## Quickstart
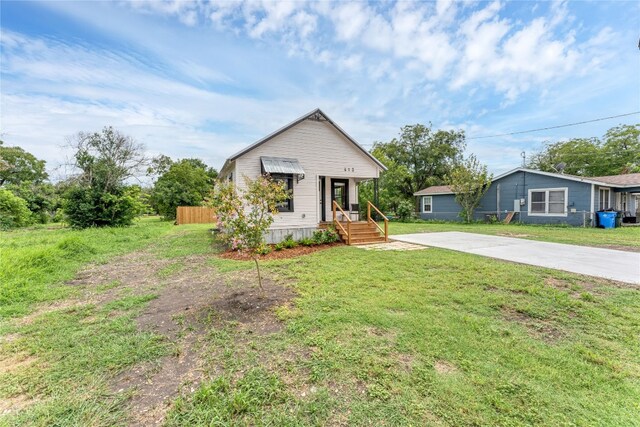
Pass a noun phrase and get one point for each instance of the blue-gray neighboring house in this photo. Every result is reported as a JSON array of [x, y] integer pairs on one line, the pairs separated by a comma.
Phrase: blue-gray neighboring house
[[539, 197]]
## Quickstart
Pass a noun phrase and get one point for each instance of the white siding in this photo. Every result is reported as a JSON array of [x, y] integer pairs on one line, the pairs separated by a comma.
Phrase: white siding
[[229, 172], [322, 151]]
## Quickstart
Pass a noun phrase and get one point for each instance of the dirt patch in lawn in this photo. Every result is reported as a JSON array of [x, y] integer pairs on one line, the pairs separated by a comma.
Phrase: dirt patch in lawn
[[406, 361], [15, 362], [8, 338], [542, 329], [139, 268], [443, 367], [46, 308], [193, 298], [593, 285], [15, 404], [253, 308], [283, 254], [190, 303]]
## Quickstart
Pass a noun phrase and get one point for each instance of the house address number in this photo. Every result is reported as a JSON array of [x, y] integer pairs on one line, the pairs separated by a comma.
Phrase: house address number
[[349, 169]]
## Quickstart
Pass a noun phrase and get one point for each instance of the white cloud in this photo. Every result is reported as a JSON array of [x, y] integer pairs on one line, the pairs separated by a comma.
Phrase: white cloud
[[351, 62], [514, 58], [466, 43], [276, 15], [350, 20], [249, 67]]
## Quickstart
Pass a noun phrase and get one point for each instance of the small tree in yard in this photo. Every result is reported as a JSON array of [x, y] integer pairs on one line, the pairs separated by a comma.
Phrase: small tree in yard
[[469, 181], [245, 215]]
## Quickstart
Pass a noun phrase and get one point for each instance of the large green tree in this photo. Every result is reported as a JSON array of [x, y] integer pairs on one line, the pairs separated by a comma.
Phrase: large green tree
[[417, 158], [24, 175], [621, 145], [618, 152], [18, 165], [99, 197], [186, 182], [390, 193]]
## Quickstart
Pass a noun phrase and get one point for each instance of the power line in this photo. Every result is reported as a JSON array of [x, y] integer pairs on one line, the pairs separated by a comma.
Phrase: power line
[[554, 127], [540, 129]]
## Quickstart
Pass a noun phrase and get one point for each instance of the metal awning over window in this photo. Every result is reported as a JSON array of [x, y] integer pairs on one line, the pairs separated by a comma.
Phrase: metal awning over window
[[279, 165]]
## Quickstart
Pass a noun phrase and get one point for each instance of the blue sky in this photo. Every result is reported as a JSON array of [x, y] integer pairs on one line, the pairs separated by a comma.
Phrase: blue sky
[[199, 79]]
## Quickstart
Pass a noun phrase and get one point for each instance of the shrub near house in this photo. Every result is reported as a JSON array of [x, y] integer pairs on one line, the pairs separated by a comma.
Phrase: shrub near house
[[13, 211]]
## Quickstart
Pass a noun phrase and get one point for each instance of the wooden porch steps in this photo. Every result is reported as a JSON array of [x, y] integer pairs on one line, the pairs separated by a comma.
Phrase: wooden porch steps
[[359, 232], [362, 232]]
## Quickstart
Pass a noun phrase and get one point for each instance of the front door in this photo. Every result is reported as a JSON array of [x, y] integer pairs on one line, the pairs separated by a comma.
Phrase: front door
[[323, 205], [340, 193]]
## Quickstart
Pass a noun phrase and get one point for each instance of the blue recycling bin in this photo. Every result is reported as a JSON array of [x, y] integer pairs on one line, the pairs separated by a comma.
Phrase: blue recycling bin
[[607, 219]]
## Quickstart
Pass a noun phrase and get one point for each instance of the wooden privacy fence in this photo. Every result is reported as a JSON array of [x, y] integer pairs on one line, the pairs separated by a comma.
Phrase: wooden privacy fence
[[194, 215]]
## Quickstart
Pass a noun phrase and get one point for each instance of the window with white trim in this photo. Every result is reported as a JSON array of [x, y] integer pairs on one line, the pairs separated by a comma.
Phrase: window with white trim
[[605, 198], [548, 201], [427, 204]]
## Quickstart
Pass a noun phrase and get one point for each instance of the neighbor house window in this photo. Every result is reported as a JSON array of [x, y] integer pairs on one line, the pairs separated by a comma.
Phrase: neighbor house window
[[427, 204], [605, 195], [623, 202], [548, 201], [287, 205]]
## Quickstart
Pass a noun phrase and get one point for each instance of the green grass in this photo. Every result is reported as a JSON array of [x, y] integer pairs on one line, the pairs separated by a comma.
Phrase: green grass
[[432, 337], [429, 337], [36, 262], [73, 350], [628, 237]]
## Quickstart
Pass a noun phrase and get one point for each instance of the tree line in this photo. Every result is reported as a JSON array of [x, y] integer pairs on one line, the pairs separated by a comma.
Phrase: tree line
[[616, 153], [100, 192], [420, 157]]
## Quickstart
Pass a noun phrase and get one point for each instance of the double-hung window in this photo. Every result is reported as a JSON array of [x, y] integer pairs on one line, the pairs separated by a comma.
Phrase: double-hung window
[[287, 180], [427, 204], [548, 201]]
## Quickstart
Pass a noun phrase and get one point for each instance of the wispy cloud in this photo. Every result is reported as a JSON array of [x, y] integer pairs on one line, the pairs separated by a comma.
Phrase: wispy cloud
[[200, 78]]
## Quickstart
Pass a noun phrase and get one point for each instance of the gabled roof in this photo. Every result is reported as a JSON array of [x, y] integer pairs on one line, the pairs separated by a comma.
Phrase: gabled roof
[[628, 179], [576, 178], [434, 189], [316, 114], [621, 181]]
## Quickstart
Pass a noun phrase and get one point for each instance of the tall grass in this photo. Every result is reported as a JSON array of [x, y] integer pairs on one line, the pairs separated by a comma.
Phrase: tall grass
[[34, 263]]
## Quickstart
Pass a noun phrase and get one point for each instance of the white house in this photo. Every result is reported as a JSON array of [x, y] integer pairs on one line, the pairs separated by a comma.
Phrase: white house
[[319, 162]]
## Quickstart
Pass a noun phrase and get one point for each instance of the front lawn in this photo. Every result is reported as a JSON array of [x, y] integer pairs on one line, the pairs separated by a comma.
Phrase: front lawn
[[617, 238], [344, 336], [432, 337]]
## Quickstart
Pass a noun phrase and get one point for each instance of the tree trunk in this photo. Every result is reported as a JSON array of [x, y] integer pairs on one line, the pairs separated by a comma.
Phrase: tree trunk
[[255, 259]]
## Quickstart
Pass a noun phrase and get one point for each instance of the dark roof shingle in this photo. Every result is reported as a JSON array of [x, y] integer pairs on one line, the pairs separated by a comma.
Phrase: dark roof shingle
[[626, 179]]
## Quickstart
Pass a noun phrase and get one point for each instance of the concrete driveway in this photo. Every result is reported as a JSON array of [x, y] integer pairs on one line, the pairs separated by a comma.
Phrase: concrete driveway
[[606, 263]]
